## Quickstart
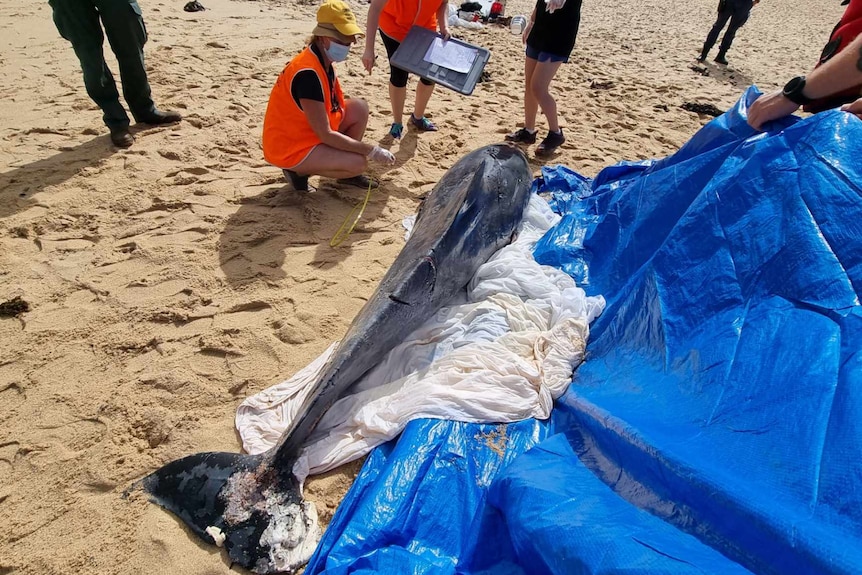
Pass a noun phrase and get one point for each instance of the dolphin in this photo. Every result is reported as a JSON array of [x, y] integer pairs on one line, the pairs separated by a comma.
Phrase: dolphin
[[252, 504]]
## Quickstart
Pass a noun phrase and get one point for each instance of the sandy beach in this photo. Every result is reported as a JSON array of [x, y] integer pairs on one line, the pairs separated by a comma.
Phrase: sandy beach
[[169, 281]]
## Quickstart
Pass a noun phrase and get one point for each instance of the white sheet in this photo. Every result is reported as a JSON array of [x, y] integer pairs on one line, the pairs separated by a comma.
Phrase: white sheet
[[502, 352]]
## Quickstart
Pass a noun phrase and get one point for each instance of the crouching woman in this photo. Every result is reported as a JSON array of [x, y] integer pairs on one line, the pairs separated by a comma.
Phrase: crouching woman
[[309, 127]]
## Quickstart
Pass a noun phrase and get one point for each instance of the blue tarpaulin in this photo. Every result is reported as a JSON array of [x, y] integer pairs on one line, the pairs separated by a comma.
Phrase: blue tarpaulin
[[716, 425]]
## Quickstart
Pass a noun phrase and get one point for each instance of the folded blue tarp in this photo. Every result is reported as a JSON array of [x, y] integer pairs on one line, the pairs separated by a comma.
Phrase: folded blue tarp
[[716, 426]]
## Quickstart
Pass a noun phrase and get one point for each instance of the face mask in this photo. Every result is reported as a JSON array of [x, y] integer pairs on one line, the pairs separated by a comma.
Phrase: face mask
[[337, 52]]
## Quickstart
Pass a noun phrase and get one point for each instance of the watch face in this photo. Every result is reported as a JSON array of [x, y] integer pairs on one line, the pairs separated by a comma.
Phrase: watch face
[[793, 91], [793, 85]]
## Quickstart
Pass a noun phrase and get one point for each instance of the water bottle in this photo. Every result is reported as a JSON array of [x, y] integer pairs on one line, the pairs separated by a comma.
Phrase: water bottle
[[517, 25]]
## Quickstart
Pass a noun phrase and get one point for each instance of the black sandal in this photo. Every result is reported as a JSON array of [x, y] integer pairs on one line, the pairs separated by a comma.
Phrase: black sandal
[[361, 181], [299, 183]]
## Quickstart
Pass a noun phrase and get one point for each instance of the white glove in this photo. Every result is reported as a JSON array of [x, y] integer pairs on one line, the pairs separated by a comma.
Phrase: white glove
[[381, 156]]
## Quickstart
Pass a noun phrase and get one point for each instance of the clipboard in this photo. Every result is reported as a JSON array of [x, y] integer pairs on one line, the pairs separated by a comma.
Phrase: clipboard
[[453, 64]]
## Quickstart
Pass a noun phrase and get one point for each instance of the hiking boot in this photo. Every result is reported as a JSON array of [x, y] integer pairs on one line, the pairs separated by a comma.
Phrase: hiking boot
[[522, 136], [299, 183], [396, 130], [720, 59], [158, 118], [551, 142], [423, 124], [361, 181], [122, 137]]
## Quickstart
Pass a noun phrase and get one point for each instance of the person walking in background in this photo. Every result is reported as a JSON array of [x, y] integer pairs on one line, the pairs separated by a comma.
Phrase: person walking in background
[[81, 22], [309, 128], [550, 38], [394, 18], [737, 12]]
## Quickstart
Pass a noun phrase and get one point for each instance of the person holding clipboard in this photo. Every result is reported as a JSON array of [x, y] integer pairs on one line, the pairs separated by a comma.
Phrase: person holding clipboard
[[394, 18]]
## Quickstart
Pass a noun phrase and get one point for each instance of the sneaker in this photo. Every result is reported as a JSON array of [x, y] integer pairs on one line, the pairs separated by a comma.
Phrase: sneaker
[[522, 136], [361, 181], [423, 124], [396, 130], [551, 142], [299, 183]]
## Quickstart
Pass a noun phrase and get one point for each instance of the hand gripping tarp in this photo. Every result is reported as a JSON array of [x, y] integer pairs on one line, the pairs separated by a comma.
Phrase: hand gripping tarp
[[716, 425]]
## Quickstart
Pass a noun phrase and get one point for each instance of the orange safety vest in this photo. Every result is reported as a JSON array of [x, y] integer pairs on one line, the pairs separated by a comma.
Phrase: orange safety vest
[[845, 32], [398, 16], [287, 136]]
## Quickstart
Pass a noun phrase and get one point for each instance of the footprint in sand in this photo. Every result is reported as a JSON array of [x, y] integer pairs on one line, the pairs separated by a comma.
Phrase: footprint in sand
[[293, 331], [76, 435], [8, 451], [11, 397], [147, 290], [169, 155], [60, 431], [154, 425]]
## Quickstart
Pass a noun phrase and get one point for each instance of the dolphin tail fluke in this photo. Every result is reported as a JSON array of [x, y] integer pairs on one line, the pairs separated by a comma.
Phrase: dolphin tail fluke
[[234, 501]]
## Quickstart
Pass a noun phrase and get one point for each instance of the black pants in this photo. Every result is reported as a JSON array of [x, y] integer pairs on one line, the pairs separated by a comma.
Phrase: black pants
[[78, 21], [737, 11]]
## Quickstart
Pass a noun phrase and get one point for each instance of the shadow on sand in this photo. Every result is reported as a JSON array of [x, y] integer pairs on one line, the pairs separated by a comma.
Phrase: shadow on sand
[[21, 183], [255, 238]]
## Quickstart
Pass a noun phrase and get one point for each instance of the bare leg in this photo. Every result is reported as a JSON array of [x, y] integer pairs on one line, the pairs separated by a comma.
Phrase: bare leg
[[423, 95], [531, 105], [333, 163], [539, 83], [355, 118]]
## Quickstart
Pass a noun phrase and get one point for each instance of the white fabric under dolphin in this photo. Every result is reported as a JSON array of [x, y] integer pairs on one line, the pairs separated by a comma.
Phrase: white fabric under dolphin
[[502, 352]]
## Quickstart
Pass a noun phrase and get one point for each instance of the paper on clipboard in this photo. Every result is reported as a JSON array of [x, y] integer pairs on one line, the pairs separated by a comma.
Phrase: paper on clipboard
[[451, 55]]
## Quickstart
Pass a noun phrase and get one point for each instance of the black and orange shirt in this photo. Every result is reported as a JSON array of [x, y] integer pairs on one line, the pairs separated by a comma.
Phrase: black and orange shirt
[[288, 138]]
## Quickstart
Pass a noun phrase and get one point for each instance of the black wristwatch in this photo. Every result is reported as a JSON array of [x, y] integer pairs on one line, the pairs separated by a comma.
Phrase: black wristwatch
[[793, 91]]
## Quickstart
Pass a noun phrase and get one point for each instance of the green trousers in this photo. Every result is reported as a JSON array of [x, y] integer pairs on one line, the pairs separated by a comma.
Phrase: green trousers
[[80, 22]]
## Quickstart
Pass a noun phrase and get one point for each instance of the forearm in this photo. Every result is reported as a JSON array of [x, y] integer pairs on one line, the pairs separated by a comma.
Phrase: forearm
[[318, 119], [340, 141], [373, 22], [842, 71], [443, 16]]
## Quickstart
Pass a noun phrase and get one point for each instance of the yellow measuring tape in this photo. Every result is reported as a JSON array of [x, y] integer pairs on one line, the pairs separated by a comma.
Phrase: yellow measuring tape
[[358, 209]]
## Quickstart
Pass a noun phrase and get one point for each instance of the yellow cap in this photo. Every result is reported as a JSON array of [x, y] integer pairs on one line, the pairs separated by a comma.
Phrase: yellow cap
[[334, 19]]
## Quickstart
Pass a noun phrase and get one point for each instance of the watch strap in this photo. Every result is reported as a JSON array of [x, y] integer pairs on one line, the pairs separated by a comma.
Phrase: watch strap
[[793, 91]]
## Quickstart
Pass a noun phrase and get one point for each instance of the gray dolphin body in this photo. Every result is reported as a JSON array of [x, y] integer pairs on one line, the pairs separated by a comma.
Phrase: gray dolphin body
[[252, 503]]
